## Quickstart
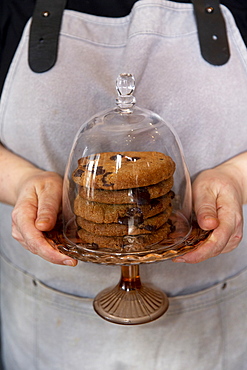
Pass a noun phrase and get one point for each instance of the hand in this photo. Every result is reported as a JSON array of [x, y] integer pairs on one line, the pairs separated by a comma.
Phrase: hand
[[218, 199], [38, 203]]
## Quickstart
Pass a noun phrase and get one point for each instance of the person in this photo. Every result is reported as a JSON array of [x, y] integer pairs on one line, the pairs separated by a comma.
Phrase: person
[[46, 308]]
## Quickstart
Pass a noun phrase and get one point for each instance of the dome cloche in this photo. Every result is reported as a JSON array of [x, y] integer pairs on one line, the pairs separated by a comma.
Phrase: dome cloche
[[127, 189]]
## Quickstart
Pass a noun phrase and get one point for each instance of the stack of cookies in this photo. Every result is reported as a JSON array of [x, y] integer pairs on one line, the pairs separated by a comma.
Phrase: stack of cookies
[[124, 199]]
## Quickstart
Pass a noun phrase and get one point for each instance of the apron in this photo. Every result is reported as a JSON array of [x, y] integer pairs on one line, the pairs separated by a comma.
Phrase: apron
[[48, 320]]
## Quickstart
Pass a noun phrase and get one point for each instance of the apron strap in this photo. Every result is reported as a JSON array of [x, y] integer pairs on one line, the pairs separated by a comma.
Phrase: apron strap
[[44, 34], [211, 31], [47, 17]]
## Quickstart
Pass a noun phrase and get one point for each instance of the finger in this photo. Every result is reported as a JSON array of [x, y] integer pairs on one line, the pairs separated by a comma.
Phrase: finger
[[25, 232], [205, 206], [230, 214], [38, 245], [206, 217], [212, 247], [49, 200], [223, 239], [42, 248]]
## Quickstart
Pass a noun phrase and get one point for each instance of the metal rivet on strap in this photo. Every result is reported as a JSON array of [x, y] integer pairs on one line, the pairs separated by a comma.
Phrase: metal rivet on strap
[[46, 14], [224, 286], [209, 9]]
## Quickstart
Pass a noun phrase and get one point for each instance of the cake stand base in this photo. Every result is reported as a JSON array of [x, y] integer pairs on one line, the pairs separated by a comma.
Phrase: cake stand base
[[130, 302]]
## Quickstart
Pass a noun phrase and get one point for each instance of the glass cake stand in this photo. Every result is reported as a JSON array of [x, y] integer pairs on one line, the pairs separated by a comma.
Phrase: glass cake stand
[[127, 201], [129, 302]]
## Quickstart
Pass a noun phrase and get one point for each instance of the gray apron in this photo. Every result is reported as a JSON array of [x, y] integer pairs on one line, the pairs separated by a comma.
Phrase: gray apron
[[47, 317]]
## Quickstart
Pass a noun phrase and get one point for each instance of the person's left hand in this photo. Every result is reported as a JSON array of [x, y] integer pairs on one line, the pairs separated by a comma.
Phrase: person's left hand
[[218, 200]]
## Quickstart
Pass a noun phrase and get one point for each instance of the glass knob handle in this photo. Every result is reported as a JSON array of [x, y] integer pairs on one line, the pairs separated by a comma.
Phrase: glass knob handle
[[125, 86]]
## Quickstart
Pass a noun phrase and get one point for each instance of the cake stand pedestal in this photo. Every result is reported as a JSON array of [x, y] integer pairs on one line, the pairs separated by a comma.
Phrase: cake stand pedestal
[[130, 302]]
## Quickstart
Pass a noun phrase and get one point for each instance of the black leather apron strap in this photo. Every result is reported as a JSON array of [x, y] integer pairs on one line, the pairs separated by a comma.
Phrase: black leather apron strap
[[211, 31], [47, 17], [44, 34]]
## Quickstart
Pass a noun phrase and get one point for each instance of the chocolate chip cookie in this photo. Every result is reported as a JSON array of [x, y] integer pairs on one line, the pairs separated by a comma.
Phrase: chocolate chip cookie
[[140, 195], [131, 226], [123, 170], [119, 213], [124, 244]]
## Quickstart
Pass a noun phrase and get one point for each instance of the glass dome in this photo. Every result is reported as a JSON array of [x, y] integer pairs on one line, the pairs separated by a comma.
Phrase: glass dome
[[127, 189]]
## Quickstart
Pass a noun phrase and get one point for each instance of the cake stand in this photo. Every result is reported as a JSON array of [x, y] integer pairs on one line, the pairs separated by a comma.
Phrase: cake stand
[[129, 302]]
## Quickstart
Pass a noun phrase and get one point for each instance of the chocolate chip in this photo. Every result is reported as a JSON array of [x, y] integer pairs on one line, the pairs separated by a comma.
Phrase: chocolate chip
[[94, 246], [141, 195], [123, 220], [134, 215], [150, 227], [172, 194], [134, 211], [78, 172], [138, 220], [172, 227], [114, 157], [131, 159], [104, 179], [100, 170], [154, 203]]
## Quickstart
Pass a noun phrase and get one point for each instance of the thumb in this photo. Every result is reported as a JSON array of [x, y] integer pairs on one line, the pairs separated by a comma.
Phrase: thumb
[[205, 206], [48, 208]]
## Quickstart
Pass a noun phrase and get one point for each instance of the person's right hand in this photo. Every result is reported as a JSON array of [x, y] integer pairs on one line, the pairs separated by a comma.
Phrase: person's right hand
[[38, 203]]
